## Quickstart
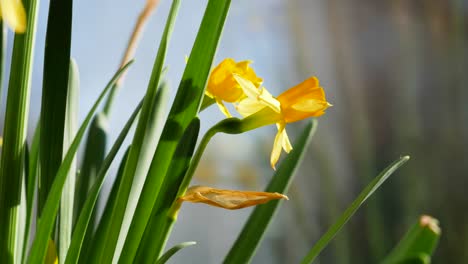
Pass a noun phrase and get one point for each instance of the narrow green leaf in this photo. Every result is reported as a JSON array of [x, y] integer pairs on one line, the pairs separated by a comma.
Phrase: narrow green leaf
[[151, 137], [85, 214], [94, 153], [14, 136], [54, 93], [22, 215], [113, 230], [184, 109], [420, 240], [349, 212], [71, 125], [164, 258], [3, 49], [31, 186], [46, 222], [161, 221], [96, 241], [251, 235]]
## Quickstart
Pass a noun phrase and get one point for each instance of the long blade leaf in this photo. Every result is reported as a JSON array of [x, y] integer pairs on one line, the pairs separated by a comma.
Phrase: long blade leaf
[[251, 235], [94, 154], [113, 230], [31, 187], [14, 136], [95, 241], [87, 211], [46, 222], [349, 212], [166, 256], [54, 93], [156, 234], [184, 109], [71, 125]]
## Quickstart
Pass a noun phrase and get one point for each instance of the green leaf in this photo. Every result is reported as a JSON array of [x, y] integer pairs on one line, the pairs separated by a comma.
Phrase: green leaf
[[46, 222], [94, 154], [3, 49], [31, 186], [161, 221], [54, 93], [151, 137], [96, 241], [85, 214], [349, 212], [420, 240], [184, 109], [113, 230], [71, 125], [164, 258], [251, 235], [14, 137]]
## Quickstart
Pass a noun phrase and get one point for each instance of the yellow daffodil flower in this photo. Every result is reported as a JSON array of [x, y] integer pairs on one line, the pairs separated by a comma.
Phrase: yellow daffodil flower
[[222, 86], [13, 13], [304, 100], [228, 199]]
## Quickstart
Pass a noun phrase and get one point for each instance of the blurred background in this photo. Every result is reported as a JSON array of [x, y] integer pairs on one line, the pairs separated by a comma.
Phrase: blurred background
[[396, 73]]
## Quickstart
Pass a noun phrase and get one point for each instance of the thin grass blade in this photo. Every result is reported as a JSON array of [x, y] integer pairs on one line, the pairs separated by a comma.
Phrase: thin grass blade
[[46, 222], [113, 230], [94, 153], [31, 187], [14, 137], [151, 138], [157, 233], [184, 109], [85, 214], [349, 212], [99, 236], [251, 235], [166, 256], [54, 93], [71, 125], [3, 48]]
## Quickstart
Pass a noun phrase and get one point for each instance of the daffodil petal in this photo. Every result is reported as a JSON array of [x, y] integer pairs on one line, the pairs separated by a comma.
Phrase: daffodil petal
[[244, 64], [228, 199], [14, 14], [247, 86], [310, 105], [269, 100], [223, 108], [249, 106], [286, 144], [261, 95], [277, 146]]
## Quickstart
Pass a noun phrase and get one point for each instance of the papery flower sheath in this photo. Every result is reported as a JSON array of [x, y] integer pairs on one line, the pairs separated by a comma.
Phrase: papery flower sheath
[[222, 86], [13, 14], [228, 199], [304, 100]]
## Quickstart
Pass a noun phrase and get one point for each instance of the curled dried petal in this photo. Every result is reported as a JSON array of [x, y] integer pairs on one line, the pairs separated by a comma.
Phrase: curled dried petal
[[228, 199]]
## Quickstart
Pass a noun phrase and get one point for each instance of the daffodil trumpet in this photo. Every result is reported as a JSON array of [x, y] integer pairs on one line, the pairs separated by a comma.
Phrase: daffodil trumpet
[[304, 100]]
